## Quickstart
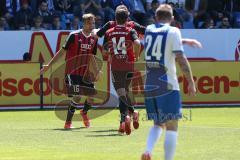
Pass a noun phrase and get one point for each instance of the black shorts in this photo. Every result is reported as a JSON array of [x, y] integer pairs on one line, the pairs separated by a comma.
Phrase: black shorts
[[77, 86], [121, 79]]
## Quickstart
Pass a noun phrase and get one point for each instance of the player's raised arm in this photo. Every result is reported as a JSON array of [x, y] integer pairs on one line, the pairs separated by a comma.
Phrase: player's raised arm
[[104, 29], [59, 54], [139, 28], [192, 42], [186, 70], [106, 47]]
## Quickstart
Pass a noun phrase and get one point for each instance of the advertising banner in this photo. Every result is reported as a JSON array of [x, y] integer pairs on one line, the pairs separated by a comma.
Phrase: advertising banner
[[217, 81]]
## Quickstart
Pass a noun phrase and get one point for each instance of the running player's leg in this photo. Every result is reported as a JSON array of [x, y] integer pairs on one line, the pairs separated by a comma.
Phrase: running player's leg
[[71, 82], [119, 85], [70, 113], [131, 101], [87, 104], [83, 112], [86, 89], [129, 96], [170, 139], [157, 128], [172, 113]]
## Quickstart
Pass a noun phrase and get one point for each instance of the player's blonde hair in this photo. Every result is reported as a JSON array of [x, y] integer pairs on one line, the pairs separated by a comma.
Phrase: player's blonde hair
[[164, 12], [87, 17], [122, 7]]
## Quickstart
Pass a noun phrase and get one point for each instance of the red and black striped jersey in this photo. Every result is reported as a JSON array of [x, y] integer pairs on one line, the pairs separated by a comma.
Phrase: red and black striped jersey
[[79, 48], [131, 24], [119, 42]]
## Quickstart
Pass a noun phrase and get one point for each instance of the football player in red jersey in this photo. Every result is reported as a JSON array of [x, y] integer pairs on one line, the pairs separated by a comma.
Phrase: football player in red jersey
[[119, 42], [140, 30], [132, 57], [78, 50]]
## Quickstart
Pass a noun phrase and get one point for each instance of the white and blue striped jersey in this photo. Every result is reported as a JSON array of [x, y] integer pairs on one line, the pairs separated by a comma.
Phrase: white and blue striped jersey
[[161, 42]]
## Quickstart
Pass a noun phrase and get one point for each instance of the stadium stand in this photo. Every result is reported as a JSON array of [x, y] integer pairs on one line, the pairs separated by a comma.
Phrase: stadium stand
[[64, 14]]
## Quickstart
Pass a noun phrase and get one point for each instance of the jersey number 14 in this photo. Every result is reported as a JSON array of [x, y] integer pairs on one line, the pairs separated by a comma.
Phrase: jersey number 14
[[120, 46]]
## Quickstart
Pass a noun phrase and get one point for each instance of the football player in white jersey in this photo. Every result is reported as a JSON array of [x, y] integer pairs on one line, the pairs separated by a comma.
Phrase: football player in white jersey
[[163, 45]]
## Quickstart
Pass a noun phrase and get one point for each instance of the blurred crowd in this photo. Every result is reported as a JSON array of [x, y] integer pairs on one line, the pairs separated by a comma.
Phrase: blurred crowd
[[67, 14]]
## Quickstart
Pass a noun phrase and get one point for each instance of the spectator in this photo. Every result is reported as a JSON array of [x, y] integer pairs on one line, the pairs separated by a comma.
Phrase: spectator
[[50, 5], [36, 3], [68, 24], [208, 24], [8, 10], [127, 3], [12, 6], [231, 6], [64, 6], [45, 13], [109, 14], [107, 3], [78, 8], [214, 8], [75, 23], [138, 11], [153, 8], [56, 25], [37, 23], [3, 24], [225, 23], [24, 16], [197, 10], [26, 56], [178, 20], [99, 21], [135, 7], [94, 7], [149, 3], [236, 19], [178, 3]]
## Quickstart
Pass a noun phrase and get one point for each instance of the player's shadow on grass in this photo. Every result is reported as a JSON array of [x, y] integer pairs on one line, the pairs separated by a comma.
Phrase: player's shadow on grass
[[62, 129], [112, 132], [109, 130], [105, 135]]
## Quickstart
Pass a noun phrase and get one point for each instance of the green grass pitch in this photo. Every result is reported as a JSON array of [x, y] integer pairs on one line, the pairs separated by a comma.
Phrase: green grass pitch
[[204, 134]]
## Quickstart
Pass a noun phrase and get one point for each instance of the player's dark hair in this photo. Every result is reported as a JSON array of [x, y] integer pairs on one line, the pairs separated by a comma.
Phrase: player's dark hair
[[164, 12], [121, 16]]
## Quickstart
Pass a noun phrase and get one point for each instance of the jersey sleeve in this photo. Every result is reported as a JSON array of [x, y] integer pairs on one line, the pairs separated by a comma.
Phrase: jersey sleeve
[[133, 34], [95, 48], [176, 38], [104, 29], [105, 42], [139, 28], [68, 41]]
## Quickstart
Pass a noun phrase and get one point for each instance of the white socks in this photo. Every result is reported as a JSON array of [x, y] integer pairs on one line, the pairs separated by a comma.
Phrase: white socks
[[170, 144], [153, 136]]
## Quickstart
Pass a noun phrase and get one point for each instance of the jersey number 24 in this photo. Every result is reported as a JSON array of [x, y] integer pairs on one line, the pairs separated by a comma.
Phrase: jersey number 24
[[153, 47]]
